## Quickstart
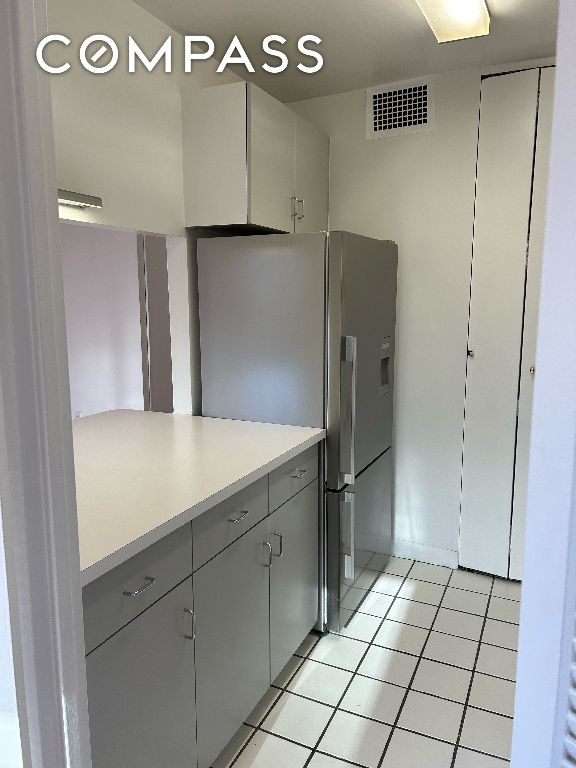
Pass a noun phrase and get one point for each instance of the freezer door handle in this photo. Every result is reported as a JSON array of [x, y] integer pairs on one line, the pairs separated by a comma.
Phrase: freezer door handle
[[347, 534], [348, 373]]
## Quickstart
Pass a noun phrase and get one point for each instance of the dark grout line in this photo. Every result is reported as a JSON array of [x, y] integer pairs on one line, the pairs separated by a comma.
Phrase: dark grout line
[[355, 672], [342, 759], [467, 702], [323, 733], [414, 673], [417, 655]]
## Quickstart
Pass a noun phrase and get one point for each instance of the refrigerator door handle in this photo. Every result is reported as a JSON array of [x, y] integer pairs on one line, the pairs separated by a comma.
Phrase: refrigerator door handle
[[347, 534], [348, 374]]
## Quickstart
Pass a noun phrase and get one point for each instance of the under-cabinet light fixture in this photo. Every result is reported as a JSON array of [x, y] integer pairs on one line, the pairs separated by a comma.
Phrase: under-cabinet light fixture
[[456, 19], [78, 200]]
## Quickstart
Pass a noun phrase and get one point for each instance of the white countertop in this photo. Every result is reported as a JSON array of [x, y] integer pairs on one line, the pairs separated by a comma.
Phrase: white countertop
[[140, 476]]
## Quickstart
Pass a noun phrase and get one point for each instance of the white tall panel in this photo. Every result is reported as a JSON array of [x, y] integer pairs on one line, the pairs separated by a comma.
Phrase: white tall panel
[[100, 272], [527, 371], [504, 176]]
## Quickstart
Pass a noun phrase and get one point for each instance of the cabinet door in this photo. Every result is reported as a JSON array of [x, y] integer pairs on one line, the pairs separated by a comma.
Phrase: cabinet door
[[141, 689], [311, 160], [504, 180], [214, 125], [294, 575], [271, 161], [232, 646], [527, 371]]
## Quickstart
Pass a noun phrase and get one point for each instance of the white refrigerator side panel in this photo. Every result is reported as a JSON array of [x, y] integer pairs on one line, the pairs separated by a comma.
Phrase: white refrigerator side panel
[[262, 320]]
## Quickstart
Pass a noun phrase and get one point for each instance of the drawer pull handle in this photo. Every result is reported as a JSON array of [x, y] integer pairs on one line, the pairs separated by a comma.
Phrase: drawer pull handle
[[193, 635], [281, 545], [240, 517], [270, 554], [149, 582], [299, 473]]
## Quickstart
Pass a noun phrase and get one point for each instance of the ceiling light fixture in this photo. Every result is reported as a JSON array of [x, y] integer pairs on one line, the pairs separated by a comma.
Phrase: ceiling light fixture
[[78, 200], [456, 19]]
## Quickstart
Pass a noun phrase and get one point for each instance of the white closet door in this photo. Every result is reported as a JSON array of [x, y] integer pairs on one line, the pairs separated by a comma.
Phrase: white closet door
[[504, 176], [531, 320]]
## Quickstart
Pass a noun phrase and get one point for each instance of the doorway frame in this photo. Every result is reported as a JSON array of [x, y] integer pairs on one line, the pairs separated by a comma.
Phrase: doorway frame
[[44, 660], [42, 650]]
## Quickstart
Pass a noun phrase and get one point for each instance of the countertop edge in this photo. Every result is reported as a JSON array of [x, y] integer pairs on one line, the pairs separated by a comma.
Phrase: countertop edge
[[94, 571]]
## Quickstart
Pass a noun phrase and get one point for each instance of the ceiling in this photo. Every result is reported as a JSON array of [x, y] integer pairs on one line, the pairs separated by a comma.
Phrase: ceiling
[[365, 42]]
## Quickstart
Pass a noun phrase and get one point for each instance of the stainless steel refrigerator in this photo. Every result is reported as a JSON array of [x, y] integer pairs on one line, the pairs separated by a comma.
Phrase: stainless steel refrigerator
[[299, 329]]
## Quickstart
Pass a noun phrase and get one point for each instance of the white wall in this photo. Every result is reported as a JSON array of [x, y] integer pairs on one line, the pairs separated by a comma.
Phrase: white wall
[[419, 191], [100, 270]]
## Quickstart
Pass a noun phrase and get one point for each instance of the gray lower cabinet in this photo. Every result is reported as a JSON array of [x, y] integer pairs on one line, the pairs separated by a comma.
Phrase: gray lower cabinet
[[158, 696], [293, 531], [141, 689], [231, 602]]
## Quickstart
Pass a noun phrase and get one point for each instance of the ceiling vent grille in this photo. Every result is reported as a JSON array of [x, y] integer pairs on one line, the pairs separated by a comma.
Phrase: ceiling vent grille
[[398, 108]]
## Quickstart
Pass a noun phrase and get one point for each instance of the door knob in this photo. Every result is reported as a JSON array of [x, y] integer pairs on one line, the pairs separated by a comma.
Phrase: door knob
[[532, 370]]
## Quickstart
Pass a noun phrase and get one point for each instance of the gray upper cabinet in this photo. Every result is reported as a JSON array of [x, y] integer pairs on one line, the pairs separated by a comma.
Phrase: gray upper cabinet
[[293, 531], [249, 159], [141, 689], [232, 645]]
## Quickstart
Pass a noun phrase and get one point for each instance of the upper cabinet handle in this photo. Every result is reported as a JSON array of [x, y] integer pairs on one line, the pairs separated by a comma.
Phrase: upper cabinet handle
[[294, 202], [299, 473], [270, 554], [149, 582], [281, 545], [193, 635], [240, 517], [300, 202]]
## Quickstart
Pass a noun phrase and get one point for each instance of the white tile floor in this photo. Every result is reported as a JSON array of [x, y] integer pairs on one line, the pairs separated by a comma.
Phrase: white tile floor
[[423, 675]]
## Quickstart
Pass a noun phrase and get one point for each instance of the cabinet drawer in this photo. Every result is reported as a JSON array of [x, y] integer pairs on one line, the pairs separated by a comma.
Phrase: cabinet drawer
[[290, 478], [216, 529], [150, 574]]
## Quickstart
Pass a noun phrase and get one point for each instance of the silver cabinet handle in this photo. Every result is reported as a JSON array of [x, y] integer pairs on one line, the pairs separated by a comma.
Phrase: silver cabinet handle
[[281, 545], [299, 473], [348, 375], [193, 635], [347, 534], [300, 202], [240, 517], [270, 554], [532, 370], [149, 582], [294, 202]]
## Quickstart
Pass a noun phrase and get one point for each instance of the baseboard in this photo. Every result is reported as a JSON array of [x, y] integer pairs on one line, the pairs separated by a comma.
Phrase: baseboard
[[426, 554]]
